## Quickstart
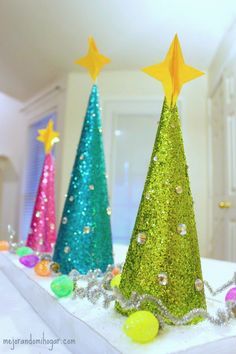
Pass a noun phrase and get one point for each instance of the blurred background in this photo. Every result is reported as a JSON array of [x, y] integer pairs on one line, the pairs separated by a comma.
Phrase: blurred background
[[39, 41]]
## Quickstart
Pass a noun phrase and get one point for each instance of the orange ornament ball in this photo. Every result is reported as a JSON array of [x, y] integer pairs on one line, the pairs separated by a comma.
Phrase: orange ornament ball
[[4, 246], [43, 268], [115, 271]]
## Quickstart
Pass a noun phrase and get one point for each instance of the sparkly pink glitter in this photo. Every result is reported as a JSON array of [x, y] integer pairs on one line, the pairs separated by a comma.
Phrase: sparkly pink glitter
[[42, 235]]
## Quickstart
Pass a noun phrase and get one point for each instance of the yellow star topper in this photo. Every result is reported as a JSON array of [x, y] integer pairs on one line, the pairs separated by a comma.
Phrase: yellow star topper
[[173, 72], [93, 61], [48, 137]]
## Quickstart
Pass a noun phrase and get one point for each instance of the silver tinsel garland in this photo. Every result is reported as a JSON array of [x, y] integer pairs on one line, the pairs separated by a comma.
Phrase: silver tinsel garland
[[14, 245]]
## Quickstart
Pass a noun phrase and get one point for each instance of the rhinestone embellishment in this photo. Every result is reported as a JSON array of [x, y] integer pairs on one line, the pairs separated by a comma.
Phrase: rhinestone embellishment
[[109, 211], [64, 220], [199, 285], [55, 267], [141, 238], [182, 229], [162, 279], [86, 230], [67, 249], [179, 190]]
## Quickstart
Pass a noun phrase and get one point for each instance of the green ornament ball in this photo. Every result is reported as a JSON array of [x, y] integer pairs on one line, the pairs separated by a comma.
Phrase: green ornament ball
[[62, 286], [141, 326], [116, 281], [24, 251]]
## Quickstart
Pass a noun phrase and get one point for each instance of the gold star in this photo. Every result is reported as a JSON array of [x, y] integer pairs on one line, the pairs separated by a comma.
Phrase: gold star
[[173, 72], [48, 136], [93, 61]]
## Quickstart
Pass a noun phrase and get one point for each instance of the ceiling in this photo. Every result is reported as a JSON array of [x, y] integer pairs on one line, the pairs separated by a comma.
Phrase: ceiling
[[39, 40]]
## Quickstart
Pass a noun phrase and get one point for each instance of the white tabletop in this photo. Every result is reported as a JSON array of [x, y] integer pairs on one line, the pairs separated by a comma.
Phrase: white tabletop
[[19, 320], [95, 327]]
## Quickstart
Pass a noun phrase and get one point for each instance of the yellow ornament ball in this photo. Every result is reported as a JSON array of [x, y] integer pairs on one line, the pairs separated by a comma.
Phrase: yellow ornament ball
[[43, 268], [116, 281], [141, 326]]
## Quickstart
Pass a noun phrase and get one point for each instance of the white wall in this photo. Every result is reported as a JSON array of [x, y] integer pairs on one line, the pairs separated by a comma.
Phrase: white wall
[[12, 147], [120, 84], [225, 52]]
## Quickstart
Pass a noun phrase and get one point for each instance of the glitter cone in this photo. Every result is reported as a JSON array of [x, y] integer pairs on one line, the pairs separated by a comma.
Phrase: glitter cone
[[42, 234], [84, 238], [163, 257]]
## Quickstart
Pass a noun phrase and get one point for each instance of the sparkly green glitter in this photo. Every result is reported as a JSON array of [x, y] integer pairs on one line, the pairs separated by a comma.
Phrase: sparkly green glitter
[[163, 257]]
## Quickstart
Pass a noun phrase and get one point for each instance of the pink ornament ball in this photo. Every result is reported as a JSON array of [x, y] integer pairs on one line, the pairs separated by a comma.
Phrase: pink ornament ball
[[231, 295], [29, 261]]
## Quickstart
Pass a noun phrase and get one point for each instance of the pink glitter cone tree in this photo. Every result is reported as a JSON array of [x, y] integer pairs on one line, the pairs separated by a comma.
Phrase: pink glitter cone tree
[[42, 234]]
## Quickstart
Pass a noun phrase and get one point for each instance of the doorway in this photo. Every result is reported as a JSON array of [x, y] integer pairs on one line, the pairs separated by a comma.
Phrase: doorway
[[129, 127]]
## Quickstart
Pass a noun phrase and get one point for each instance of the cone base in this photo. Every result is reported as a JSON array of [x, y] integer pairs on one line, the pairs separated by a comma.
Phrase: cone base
[[83, 270]]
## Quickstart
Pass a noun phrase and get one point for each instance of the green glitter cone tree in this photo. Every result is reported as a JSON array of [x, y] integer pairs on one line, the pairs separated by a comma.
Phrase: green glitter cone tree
[[163, 257], [84, 240]]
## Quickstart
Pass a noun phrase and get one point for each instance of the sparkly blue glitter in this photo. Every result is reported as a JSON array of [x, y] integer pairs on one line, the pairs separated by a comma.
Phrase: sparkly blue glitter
[[84, 239]]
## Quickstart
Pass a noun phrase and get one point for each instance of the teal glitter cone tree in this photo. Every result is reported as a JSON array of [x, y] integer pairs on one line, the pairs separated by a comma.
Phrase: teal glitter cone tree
[[163, 257], [84, 240]]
